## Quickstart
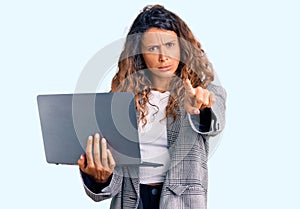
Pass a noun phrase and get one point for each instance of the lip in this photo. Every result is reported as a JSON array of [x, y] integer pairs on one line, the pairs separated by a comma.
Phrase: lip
[[165, 68]]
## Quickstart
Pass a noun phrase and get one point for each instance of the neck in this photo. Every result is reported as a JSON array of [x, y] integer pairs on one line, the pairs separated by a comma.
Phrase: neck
[[159, 90], [160, 84]]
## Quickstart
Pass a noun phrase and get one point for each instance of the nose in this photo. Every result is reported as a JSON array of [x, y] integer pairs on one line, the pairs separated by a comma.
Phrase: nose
[[163, 55], [163, 58]]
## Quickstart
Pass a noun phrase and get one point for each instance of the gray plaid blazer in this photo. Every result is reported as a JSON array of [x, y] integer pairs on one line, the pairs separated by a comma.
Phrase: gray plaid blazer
[[185, 185]]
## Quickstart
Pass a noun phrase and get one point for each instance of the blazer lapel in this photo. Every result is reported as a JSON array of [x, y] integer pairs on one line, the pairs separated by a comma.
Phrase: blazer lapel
[[173, 128]]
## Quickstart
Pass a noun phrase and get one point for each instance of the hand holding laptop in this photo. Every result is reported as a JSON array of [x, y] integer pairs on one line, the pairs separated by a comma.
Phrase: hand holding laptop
[[98, 163]]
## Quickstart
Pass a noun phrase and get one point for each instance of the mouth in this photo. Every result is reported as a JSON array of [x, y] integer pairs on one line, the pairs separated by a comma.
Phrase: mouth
[[165, 68]]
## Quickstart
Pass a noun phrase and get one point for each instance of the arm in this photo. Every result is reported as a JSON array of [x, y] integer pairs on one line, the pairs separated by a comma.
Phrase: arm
[[101, 191], [92, 185]]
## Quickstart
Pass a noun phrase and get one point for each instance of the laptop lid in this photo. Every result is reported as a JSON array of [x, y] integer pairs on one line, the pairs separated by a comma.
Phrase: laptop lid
[[68, 119]]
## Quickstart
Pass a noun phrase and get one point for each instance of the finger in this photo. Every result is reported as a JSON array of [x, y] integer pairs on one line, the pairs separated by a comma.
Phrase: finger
[[81, 162], [111, 160], [191, 109], [206, 94], [97, 150], [189, 88], [89, 155], [212, 99], [199, 97], [104, 153]]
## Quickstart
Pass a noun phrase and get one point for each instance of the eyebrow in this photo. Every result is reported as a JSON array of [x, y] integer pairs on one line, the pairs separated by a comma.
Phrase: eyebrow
[[155, 44]]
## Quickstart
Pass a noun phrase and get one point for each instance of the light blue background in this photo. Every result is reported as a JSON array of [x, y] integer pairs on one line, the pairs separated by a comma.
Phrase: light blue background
[[254, 46]]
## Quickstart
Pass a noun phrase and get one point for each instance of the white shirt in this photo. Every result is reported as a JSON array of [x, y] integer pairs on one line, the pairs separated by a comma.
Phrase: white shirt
[[153, 139]]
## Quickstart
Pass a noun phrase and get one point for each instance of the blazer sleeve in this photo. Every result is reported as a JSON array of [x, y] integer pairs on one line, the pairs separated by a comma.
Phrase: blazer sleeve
[[98, 191], [211, 121]]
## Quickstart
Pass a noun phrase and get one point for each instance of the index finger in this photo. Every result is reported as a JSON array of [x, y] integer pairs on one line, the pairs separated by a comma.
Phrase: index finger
[[189, 88]]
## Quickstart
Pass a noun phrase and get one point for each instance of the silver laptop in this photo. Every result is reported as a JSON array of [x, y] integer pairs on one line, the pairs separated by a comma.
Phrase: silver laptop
[[68, 119]]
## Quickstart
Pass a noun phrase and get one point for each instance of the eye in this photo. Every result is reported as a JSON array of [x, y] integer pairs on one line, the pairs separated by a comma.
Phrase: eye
[[170, 44], [153, 48]]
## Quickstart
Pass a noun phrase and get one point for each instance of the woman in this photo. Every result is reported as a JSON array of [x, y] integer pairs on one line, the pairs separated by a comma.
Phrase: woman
[[178, 108]]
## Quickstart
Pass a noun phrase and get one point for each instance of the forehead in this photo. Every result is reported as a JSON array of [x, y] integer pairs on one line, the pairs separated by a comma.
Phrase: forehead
[[158, 35]]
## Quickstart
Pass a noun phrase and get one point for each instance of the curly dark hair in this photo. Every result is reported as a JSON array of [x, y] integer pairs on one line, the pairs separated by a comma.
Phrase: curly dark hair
[[133, 74]]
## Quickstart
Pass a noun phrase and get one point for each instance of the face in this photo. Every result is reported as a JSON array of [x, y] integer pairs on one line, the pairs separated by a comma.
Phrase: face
[[161, 52]]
